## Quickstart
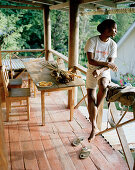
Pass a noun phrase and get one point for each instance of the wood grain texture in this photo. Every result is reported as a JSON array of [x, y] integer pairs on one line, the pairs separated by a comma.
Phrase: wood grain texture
[[49, 147]]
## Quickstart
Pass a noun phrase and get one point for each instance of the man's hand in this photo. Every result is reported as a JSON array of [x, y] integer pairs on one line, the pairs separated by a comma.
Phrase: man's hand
[[112, 66], [96, 73]]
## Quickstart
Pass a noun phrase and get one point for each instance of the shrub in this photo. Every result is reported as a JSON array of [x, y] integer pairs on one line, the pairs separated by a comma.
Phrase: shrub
[[127, 79]]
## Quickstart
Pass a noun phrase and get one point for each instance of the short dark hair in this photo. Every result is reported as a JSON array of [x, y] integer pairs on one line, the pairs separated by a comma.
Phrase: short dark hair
[[106, 24]]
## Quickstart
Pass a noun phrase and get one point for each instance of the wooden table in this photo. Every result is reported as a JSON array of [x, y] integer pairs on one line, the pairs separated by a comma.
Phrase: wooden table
[[39, 72]]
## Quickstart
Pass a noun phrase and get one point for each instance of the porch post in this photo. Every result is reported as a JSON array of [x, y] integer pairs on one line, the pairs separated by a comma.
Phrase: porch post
[[3, 151], [47, 32], [73, 37], [0, 56]]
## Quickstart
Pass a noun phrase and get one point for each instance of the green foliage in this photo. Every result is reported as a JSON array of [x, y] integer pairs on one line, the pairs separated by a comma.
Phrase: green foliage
[[27, 29], [123, 23], [127, 79], [32, 35], [59, 31], [8, 27]]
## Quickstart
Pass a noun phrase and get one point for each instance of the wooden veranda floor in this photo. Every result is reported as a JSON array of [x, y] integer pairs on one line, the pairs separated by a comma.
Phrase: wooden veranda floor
[[35, 147]]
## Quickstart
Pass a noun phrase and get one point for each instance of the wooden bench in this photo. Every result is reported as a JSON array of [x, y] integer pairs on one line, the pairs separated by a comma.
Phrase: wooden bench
[[14, 95]]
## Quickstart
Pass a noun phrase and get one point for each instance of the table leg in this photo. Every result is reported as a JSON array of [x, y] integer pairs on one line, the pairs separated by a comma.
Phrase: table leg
[[43, 107], [71, 99], [29, 81], [34, 90]]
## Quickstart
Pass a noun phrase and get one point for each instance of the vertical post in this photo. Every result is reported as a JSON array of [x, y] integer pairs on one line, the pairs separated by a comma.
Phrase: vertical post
[[11, 67], [47, 32], [3, 151], [2, 93], [73, 37], [0, 56], [43, 107]]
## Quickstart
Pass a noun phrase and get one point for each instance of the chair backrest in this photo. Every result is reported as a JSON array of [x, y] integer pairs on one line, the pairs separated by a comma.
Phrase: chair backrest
[[5, 79]]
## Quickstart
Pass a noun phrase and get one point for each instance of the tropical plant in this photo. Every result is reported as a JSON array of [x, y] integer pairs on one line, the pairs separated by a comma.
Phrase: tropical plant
[[127, 79]]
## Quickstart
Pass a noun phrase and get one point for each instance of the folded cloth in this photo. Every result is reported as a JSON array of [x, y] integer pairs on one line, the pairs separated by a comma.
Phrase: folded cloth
[[125, 95]]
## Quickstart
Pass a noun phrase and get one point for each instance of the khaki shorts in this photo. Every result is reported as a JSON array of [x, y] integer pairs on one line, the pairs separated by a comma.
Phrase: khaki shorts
[[92, 82]]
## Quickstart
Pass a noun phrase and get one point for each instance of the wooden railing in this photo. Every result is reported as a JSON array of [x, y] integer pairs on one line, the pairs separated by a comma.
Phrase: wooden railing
[[82, 69]]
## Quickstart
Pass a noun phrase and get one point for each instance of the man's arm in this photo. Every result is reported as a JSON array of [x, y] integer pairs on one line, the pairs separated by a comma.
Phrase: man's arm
[[104, 65], [108, 64]]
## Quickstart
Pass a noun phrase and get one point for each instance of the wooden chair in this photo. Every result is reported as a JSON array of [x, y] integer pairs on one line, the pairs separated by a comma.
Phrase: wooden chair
[[15, 83], [14, 95]]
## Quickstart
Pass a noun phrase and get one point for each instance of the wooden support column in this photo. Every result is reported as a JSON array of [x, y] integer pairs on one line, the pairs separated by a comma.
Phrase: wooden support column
[[73, 37], [47, 32], [0, 57], [3, 151]]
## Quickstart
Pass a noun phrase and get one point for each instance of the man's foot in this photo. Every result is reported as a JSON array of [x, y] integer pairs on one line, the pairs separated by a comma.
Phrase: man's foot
[[93, 134]]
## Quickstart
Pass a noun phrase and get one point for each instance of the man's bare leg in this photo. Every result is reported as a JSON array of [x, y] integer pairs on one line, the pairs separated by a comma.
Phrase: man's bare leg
[[92, 109], [103, 82]]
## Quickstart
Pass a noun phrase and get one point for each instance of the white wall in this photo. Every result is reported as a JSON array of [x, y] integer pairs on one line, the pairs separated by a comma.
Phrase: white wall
[[126, 57]]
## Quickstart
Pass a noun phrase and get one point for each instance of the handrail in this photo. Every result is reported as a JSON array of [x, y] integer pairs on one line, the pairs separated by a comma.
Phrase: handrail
[[24, 50], [59, 55], [65, 58], [79, 67], [56, 53]]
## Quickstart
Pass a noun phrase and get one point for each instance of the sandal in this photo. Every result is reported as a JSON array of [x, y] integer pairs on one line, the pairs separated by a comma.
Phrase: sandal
[[85, 152], [77, 141]]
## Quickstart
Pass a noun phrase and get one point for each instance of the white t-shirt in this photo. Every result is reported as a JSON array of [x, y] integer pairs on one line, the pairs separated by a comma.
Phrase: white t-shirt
[[102, 51]]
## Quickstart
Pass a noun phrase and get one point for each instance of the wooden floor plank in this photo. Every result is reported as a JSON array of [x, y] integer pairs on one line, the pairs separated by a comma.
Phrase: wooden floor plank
[[64, 158], [50, 151], [27, 148], [66, 132], [62, 152], [82, 123], [16, 156], [36, 147], [110, 154], [6, 133]]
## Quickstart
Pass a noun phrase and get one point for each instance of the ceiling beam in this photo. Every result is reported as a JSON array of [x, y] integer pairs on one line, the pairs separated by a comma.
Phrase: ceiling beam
[[60, 1], [123, 1], [106, 4], [110, 11], [44, 2], [60, 6], [88, 1], [66, 4], [89, 6]]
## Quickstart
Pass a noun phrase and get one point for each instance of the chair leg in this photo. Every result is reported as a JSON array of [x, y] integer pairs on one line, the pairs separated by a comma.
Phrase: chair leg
[[34, 90], [29, 81], [7, 109], [28, 108], [9, 106]]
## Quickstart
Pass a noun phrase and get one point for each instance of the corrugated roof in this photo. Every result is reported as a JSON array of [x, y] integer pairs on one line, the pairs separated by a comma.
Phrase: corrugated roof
[[16, 63]]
